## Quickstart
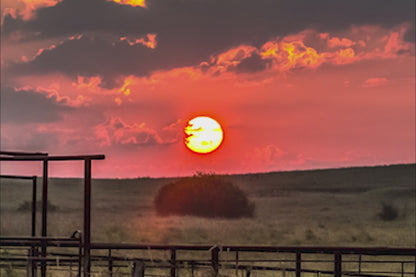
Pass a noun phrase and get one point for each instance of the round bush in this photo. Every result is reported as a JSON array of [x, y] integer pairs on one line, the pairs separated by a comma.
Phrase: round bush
[[205, 196]]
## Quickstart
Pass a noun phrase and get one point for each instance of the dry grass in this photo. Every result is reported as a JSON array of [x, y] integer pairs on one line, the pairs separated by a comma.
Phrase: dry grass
[[327, 208]]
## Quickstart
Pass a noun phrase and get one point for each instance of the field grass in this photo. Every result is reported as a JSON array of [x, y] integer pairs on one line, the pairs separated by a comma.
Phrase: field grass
[[335, 207]]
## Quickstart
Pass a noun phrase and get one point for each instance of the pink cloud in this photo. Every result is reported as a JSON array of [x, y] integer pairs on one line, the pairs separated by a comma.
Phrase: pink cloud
[[344, 42], [374, 82], [114, 131]]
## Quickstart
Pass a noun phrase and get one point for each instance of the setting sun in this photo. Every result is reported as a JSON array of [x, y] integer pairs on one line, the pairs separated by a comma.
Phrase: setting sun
[[203, 134]]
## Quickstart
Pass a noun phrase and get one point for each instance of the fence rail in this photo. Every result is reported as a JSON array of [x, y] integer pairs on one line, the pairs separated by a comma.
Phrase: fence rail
[[113, 259]]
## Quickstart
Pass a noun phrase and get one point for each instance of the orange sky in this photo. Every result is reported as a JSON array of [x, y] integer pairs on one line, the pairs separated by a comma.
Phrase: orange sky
[[308, 97]]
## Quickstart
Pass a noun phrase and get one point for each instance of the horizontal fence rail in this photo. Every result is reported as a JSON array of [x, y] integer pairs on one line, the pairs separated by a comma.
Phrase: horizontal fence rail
[[113, 259]]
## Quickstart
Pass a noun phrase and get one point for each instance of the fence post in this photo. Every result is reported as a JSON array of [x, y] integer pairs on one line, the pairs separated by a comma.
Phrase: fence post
[[87, 217], [298, 264], [402, 269], [173, 262], [338, 265], [214, 259], [236, 263], [138, 269], [44, 216], [110, 263]]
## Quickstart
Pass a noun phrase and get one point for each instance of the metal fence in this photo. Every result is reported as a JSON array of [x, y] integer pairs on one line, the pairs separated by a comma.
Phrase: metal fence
[[109, 259], [78, 256]]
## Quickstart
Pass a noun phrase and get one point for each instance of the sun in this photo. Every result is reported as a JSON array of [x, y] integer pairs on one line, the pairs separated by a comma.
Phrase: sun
[[203, 134]]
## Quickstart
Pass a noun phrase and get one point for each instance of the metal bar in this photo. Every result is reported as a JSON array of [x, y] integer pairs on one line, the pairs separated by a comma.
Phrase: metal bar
[[298, 264], [17, 177], [52, 158], [34, 206], [87, 217], [338, 265], [173, 263], [13, 153], [359, 265], [37, 239], [306, 250], [44, 215]]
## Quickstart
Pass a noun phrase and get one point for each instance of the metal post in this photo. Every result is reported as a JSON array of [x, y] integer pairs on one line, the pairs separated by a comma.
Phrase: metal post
[[32, 252], [173, 263], [214, 259], [359, 265], [402, 269], [34, 206], [80, 254], [338, 265], [138, 269], [236, 263], [298, 264], [87, 217], [44, 215], [110, 263]]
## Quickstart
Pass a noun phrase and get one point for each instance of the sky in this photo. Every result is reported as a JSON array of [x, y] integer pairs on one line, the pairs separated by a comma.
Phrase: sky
[[295, 84]]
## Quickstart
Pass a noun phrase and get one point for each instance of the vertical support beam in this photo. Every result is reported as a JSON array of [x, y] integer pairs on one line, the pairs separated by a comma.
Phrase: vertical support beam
[[402, 269], [80, 255], [338, 265], [110, 263], [44, 215], [34, 206], [359, 265], [87, 217], [138, 269], [298, 264], [236, 263], [215, 259], [172, 262], [32, 251]]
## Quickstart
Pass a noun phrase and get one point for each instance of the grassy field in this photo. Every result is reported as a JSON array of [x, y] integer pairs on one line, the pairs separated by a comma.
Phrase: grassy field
[[335, 207]]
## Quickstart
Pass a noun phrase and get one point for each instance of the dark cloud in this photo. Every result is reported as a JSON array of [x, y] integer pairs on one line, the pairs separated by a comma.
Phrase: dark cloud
[[188, 31], [243, 19], [91, 56], [252, 64], [28, 106]]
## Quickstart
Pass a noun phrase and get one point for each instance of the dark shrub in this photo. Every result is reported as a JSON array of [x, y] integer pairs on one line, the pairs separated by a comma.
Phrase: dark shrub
[[203, 195], [388, 212]]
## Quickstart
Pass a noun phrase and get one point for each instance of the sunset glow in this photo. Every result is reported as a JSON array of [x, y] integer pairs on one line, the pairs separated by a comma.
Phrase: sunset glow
[[296, 85]]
